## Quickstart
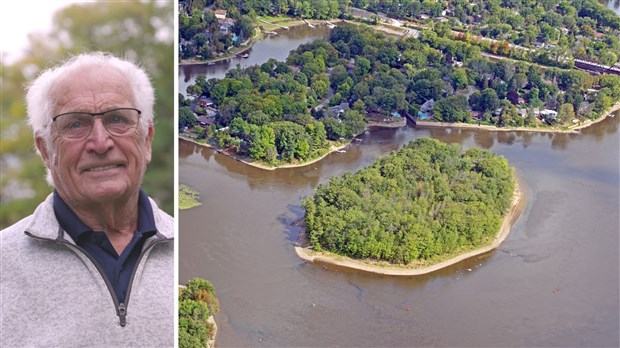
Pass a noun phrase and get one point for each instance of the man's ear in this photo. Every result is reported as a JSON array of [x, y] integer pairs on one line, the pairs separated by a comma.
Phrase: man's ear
[[42, 147], [149, 142]]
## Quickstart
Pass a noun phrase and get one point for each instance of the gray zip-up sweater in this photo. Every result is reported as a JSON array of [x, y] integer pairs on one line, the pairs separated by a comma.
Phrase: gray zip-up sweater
[[53, 295]]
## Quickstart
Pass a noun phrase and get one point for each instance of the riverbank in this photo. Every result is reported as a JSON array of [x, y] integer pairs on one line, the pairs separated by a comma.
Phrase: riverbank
[[261, 165], [573, 130], [304, 251]]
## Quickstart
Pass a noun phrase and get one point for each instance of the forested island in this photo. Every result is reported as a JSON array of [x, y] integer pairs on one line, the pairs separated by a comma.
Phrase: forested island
[[197, 304], [424, 204]]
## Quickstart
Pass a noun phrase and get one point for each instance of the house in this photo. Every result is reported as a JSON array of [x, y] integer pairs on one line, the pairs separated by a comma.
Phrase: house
[[220, 14], [337, 110], [205, 120], [476, 115], [585, 108], [204, 101], [548, 115], [428, 106], [351, 64], [448, 11], [590, 94], [226, 25]]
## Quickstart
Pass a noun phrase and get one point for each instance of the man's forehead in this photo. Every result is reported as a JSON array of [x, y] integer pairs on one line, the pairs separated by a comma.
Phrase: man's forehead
[[90, 81]]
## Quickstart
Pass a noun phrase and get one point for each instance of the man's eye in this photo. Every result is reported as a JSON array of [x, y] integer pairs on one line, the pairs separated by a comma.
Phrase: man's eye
[[75, 124], [117, 119]]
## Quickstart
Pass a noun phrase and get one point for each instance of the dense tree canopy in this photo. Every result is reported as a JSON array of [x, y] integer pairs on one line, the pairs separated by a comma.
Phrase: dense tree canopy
[[427, 200], [562, 29]]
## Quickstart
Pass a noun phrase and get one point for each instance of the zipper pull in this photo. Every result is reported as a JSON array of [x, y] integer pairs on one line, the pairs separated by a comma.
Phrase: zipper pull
[[122, 314]]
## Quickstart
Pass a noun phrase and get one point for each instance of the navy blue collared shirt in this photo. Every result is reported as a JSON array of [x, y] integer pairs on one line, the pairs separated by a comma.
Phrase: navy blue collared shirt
[[117, 268]]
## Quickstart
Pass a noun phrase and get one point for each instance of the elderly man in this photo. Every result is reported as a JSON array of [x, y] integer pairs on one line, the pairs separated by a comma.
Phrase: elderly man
[[94, 264]]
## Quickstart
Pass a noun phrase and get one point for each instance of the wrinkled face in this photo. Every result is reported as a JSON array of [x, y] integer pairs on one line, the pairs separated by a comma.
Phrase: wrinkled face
[[102, 167]]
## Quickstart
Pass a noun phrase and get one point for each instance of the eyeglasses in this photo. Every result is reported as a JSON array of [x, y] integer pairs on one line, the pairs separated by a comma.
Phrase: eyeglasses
[[78, 125]]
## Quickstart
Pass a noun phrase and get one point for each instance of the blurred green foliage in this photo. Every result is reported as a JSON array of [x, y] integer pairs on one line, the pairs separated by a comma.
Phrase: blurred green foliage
[[140, 31]]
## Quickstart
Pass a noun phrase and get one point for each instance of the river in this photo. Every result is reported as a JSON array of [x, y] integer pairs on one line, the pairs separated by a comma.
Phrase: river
[[553, 282]]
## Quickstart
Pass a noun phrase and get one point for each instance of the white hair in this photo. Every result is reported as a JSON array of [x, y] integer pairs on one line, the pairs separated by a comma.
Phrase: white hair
[[40, 98]]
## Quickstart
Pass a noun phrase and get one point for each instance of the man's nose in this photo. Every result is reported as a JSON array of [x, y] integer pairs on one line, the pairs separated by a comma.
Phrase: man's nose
[[99, 140]]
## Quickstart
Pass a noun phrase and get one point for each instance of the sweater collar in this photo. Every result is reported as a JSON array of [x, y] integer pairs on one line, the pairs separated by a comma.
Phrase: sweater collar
[[45, 225]]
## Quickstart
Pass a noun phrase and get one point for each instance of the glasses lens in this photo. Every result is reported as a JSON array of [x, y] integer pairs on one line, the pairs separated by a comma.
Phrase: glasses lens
[[75, 125], [78, 125], [121, 121]]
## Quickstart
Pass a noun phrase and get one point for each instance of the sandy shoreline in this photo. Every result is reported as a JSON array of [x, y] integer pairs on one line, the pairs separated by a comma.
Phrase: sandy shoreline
[[211, 341], [518, 203], [262, 166]]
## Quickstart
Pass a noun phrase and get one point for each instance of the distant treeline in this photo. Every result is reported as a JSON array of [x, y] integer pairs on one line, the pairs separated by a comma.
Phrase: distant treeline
[[427, 200]]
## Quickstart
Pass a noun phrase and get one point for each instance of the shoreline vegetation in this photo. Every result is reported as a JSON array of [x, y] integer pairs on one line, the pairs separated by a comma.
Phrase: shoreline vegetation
[[303, 251], [422, 124]]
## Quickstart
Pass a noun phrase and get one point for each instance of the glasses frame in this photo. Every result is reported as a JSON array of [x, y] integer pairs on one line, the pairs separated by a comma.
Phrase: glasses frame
[[94, 114]]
